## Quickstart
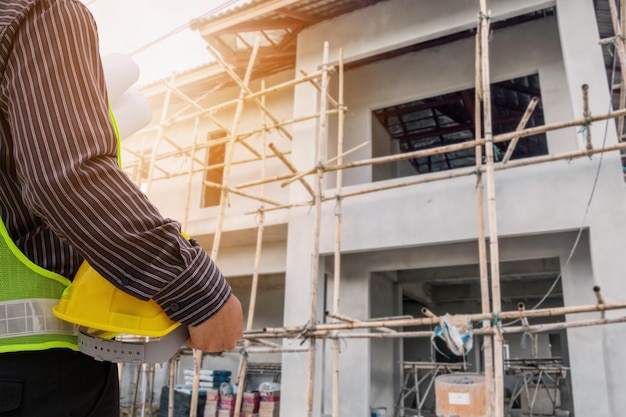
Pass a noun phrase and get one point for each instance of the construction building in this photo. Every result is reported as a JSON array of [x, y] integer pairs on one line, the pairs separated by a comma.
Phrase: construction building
[[322, 160]]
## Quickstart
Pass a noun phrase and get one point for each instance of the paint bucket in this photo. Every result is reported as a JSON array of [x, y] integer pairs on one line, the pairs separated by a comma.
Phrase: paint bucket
[[379, 412], [460, 395]]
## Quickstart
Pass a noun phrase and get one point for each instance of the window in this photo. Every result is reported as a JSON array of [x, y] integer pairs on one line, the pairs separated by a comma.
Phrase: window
[[449, 119], [215, 170]]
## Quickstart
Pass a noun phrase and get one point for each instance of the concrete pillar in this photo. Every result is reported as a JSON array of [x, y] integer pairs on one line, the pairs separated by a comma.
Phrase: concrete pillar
[[298, 266], [602, 391]]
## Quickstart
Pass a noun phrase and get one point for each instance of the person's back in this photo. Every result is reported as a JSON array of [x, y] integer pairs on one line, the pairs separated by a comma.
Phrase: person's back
[[63, 199]]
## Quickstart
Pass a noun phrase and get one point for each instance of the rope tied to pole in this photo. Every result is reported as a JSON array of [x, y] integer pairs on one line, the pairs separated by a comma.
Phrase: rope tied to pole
[[338, 199], [495, 321], [588, 121], [302, 334], [244, 352]]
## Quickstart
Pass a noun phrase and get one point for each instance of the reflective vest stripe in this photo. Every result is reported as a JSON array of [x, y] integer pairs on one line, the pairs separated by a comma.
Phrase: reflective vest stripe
[[32, 317]]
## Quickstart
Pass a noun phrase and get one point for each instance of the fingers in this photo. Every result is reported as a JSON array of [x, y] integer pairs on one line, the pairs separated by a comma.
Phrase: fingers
[[221, 332]]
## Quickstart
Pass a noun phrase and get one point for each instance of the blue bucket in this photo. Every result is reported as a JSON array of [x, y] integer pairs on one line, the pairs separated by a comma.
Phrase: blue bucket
[[379, 412]]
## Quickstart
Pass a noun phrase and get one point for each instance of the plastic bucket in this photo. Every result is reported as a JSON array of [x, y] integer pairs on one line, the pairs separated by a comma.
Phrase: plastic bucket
[[460, 395]]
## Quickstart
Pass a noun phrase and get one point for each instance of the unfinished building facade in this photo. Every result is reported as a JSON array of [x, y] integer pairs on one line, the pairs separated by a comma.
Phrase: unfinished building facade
[[299, 130]]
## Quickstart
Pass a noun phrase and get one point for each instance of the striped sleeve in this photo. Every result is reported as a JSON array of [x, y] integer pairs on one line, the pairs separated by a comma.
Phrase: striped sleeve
[[65, 154]]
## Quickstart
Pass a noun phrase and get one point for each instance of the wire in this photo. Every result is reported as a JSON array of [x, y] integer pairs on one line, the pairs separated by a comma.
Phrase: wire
[[180, 28], [589, 201]]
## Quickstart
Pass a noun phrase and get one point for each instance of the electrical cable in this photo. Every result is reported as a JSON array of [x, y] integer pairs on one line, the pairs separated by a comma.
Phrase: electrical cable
[[591, 195], [180, 28]]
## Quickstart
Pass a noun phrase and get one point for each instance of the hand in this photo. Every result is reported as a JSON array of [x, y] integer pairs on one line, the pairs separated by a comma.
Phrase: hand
[[221, 332]]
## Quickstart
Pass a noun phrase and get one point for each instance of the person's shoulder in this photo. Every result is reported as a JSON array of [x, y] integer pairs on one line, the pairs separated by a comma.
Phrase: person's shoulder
[[14, 10], [13, 13]]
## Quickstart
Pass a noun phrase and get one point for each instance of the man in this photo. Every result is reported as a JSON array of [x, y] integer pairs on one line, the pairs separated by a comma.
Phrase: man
[[63, 199]]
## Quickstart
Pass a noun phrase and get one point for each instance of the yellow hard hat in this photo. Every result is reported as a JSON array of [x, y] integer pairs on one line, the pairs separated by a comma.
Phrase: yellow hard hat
[[93, 302]]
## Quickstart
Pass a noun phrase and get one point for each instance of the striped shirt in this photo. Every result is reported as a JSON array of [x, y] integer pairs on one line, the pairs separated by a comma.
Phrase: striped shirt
[[62, 196]]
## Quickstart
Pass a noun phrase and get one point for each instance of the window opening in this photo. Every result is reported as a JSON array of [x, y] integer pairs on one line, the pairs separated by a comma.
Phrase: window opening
[[215, 169], [449, 119]]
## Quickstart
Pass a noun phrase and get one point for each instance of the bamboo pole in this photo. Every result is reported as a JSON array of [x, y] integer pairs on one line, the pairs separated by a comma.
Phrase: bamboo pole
[[522, 124], [233, 191], [599, 298], [284, 123], [243, 364], [264, 181], [503, 137], [316, 233], [245, 88], [347, 319], [331, 100], [264, 92], [539, 328], [337, 256], [499, 167], [618, 30], [207, 167], [290, 166], [171, 376], [482, 245], [222, 206], [330, 161], [532, 329], [428, 321], [496, 302], [586, 114], [157, 142], [190, 174]]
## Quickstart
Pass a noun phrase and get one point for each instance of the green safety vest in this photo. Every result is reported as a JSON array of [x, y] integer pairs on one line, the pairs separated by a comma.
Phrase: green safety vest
[[27, 294]]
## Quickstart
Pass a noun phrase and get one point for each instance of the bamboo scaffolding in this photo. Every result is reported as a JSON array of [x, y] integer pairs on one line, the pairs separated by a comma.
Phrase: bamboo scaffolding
[[290, 166], [266, 91], [246, 90], [230, 149]]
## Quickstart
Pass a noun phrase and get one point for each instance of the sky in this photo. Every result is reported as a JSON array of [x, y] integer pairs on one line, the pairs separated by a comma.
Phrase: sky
[[131, 26]]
